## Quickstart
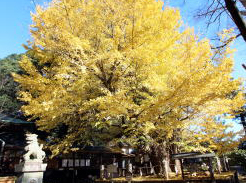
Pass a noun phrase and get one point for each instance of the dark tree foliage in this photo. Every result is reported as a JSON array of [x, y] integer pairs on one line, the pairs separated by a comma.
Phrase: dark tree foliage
[[237, 157], [9, 103]]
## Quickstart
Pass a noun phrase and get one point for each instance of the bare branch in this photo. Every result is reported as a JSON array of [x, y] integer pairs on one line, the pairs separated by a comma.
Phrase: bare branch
[[212, 12], [226, 43]]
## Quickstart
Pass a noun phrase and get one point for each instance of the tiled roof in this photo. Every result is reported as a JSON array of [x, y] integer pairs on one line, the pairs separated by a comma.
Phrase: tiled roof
[[7, 119]]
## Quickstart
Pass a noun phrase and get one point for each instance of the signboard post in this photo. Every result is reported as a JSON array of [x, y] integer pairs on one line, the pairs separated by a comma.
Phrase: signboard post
[[129, 179], [112, 169]]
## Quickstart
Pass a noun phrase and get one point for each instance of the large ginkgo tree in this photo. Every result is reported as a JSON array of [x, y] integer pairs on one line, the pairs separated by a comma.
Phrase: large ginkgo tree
[[125, 70]]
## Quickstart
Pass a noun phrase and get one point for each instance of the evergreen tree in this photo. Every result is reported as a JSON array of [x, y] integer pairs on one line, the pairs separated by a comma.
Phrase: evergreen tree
[[8, 87]]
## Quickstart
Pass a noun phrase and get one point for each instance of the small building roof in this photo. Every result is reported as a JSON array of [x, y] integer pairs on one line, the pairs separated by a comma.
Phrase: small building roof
[[7, 119], [99, 149]]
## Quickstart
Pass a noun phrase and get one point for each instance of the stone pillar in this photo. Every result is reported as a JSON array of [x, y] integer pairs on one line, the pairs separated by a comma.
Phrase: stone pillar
[[165, 164], [102, 172], [32, 168], [218, 164], [211, 170]]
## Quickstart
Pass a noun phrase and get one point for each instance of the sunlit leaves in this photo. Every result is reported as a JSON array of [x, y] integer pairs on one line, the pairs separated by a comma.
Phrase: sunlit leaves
[[122, 69]]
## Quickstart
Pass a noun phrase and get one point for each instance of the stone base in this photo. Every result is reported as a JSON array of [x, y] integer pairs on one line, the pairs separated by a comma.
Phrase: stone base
[[31, 177], [32, 166], [7, 179], [30, 172]]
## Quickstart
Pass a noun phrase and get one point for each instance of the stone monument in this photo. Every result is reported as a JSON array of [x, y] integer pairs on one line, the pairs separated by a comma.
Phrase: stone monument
[[31, 169]]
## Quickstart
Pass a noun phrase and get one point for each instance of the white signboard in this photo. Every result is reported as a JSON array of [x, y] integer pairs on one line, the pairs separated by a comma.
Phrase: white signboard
[[70, 162], [88, 162], [112, 168], [82, 162], [64, 163], [77, 162], [33, 180]]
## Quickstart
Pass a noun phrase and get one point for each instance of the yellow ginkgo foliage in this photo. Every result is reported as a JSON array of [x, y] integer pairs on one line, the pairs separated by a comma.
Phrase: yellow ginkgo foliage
[[108, 70]]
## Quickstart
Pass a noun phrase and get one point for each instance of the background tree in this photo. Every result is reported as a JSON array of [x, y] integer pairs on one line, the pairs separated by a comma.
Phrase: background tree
[[8, 88], [122, 70], [237, 158], [242, 113]]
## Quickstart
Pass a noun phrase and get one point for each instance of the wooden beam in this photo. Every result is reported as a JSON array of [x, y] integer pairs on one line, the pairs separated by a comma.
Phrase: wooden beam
[[211, 170], [192, 155], [182, 168]]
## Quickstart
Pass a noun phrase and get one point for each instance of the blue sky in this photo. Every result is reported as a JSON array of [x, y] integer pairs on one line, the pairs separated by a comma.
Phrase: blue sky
[[15, 20]]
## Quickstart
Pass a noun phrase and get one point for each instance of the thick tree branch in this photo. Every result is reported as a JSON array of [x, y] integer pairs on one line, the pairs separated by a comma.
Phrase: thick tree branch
[[243, 3], [244, 66], [237, 18]]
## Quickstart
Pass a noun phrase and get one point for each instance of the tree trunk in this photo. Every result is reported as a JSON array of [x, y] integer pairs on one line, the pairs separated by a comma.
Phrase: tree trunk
[[225, 164], [160, 158], [176, 138], [242, 116]]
